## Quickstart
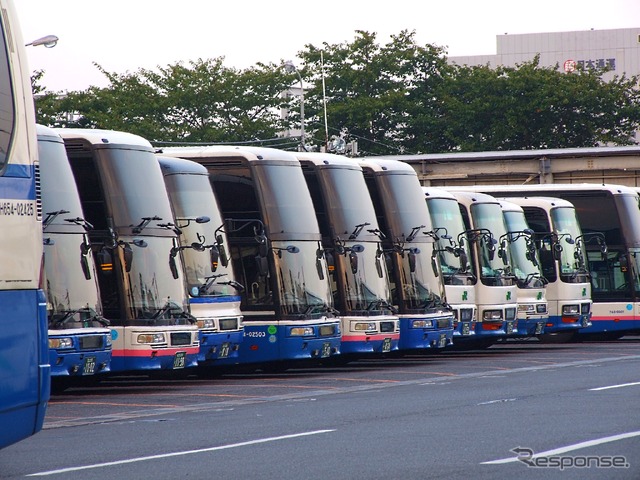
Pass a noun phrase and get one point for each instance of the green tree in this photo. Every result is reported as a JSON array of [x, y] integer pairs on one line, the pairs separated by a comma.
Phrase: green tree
[[369, 89], [203, 101], [531, 107]]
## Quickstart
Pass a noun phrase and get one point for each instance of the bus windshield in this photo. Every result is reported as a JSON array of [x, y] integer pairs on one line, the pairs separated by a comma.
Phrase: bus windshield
[[566, 227], [153, 294], [193, 198], [302, 290], [489, 217], [133, 194], [446, 219], [522, 251], [68, 289], [285, 201]]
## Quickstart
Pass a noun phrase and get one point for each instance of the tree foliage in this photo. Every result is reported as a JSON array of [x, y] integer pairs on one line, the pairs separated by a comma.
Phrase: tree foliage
[[533, 107], [399, 97], [203, 101]]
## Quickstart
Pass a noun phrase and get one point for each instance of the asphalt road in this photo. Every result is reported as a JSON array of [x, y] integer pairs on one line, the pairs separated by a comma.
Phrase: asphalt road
[[516, 410]]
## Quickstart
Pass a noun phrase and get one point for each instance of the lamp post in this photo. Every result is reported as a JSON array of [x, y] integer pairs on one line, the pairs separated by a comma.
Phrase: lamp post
[[49, 41], [291, 68]]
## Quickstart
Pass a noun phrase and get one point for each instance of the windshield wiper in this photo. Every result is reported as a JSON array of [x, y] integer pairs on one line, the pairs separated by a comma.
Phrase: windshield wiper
[[376, 304]]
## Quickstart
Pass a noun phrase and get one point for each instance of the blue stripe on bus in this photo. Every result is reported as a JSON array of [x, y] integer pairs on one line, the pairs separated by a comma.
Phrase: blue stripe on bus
[[17, 183], [227, 299]]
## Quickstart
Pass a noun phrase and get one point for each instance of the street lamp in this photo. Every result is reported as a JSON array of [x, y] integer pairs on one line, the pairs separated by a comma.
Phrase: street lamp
[[291, 68], [49, 41]]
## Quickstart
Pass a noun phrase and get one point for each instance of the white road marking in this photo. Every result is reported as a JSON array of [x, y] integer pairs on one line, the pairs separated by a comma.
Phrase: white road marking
[[614, 386], [176, 454], [568, 448], [501, 400]]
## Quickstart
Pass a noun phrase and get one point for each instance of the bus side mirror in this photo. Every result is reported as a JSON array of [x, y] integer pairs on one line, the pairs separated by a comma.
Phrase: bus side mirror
[[557, 251], [172, 266], [84, 251], [353, 262], [319, 266], [222, 251]]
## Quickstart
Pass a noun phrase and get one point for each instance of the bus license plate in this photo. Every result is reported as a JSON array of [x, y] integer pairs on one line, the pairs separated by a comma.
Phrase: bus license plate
[[179, 360], [89, 366], [443, 341], [509, 328], [326, 350], [386, 345], [224, 350], [466, 329], [539, 328]]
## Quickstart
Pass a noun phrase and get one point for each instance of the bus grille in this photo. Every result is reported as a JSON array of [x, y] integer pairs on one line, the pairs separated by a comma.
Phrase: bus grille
[[229, 323], [181, 338], [387, 327], [90, 342], [444, 323]]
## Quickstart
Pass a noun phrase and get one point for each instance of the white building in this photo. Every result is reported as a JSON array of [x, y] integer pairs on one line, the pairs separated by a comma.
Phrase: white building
[[618, 49]]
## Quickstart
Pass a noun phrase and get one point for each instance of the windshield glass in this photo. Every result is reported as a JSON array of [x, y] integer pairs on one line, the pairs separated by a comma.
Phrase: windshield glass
[[488, 217], [286, 203], [151, 291], [134, 187], [59, 192], [192, 197], [301, 289], [348, 203], [446, 219], [67, 288], [565, 224], [420, 287], [523, 252], [364, 289]]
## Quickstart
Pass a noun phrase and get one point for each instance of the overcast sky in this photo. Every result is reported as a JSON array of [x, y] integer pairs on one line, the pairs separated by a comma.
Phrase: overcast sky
[[125, 35]]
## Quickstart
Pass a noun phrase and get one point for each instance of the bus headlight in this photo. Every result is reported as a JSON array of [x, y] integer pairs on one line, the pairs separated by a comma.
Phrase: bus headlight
[[422, 324], [205, 323], [60, 342], [570, 309], [492, 315], [526, 308], [301, 331], [364, 326], [146, 338]]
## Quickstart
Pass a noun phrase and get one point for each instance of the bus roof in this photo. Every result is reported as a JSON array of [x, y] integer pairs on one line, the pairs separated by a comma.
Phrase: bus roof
[[174, 165], [542, 202], [549, 187], [380, 165], [226, 151], [103, 137], [328, 159]]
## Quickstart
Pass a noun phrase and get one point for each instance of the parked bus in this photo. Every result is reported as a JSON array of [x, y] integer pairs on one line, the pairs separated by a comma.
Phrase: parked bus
[[458, 273], [214, 294], [562, 261], [496, 291], [604, 211], [275, 248], [426, 320], [24, 356], [352, 238], [79, 337], [525, 267], [143, 294]]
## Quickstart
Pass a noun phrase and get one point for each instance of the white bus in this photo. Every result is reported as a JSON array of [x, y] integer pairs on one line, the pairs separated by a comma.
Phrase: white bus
[[558, 239], [214, 294], [496, 290], [525, 267], [458, 273], [426, 320], [123, 196], [609, 218]]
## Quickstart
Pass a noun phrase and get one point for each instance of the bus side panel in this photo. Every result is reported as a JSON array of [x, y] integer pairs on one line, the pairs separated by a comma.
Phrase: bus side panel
[[24, 368]]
